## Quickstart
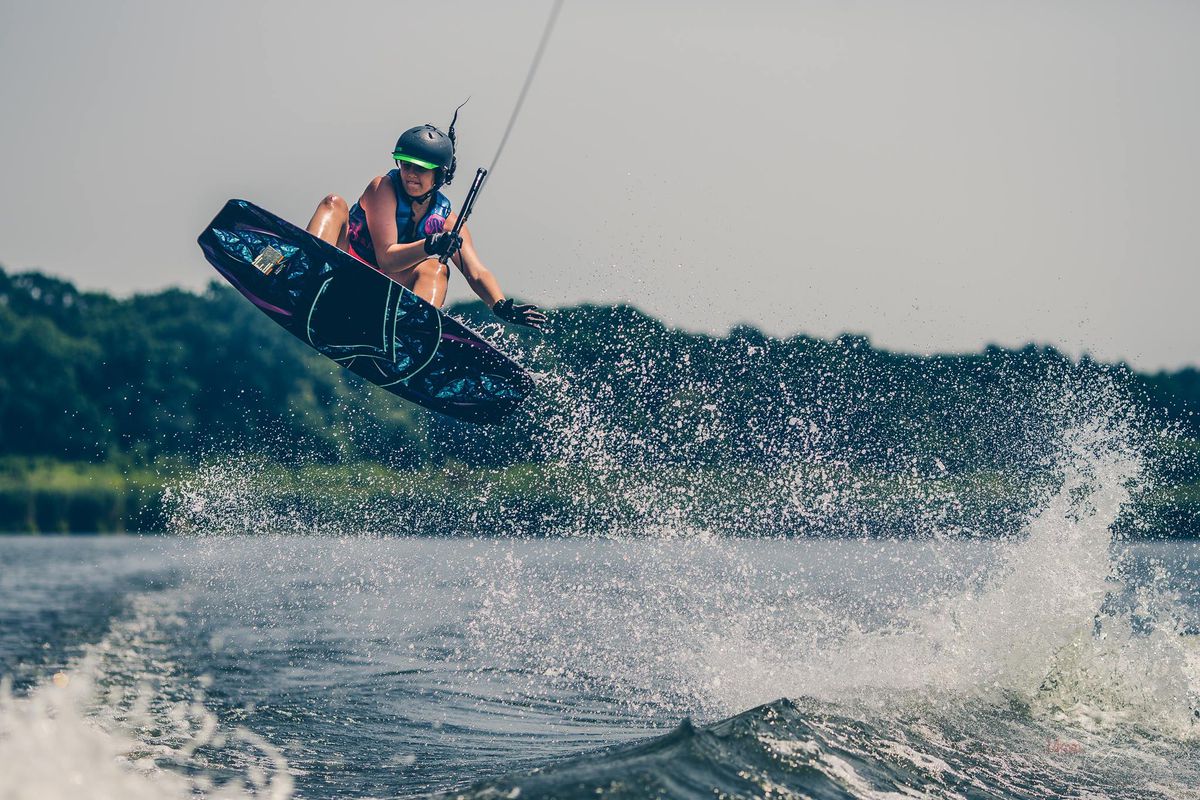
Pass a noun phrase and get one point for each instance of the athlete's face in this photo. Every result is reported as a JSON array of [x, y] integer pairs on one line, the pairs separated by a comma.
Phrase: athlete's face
[[417, 180]]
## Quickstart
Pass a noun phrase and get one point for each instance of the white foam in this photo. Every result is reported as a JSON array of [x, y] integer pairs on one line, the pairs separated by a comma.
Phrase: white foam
[[1036, 630], [110, 726]]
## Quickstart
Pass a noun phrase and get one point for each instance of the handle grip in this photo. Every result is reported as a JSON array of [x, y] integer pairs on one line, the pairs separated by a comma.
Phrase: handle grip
[[468, 204]]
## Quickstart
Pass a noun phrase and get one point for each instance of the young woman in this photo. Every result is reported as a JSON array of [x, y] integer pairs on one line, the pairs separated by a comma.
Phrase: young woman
[[402, 225]]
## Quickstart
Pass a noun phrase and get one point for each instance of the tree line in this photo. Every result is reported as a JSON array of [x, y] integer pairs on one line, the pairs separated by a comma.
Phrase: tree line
[[182, 375]]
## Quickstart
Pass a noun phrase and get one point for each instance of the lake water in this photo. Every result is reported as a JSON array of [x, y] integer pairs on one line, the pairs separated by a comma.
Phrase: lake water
[[1057, 660], [316, 667]]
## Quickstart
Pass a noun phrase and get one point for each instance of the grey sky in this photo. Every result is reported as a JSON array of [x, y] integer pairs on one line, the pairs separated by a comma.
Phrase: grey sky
[[937, 175]]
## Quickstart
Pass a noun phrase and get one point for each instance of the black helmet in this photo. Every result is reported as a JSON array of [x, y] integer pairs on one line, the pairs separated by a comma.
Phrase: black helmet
[[427, 147]]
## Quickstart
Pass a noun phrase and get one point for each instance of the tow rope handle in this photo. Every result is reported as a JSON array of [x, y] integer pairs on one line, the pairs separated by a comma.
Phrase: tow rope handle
[[468, 204]]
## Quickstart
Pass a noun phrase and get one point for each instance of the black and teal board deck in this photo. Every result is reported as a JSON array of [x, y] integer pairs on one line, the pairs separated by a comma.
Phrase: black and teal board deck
[[357, 316]]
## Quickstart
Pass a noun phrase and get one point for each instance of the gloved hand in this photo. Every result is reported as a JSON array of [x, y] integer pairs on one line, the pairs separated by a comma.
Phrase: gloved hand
[[442, 245], [527, 315]]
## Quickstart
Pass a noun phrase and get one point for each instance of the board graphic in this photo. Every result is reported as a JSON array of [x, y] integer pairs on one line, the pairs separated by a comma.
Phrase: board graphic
[[357, 316]]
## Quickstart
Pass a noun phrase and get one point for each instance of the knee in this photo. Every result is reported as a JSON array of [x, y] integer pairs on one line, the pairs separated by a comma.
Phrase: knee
[[335, 203], [431, 268]]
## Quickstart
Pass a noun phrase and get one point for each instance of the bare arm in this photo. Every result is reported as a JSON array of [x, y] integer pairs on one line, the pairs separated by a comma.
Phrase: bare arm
[[379, 204], [479, 277], [483, 283]]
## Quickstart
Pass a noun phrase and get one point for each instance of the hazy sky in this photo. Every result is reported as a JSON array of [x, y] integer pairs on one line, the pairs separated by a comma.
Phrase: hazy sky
[[938, 175]]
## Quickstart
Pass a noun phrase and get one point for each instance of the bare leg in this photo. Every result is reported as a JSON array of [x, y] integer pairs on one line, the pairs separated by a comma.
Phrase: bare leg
[[329, 221], [428, 281]]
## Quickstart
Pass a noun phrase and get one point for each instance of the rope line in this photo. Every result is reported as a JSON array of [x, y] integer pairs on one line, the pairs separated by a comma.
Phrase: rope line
[[533, 68]]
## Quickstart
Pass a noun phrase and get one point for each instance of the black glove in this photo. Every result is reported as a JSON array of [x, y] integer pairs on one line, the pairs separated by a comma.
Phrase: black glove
[[527, 315], [442, 245]]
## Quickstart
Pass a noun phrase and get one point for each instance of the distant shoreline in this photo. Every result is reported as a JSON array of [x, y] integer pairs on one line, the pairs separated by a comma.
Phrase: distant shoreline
[[192, 411], [41, 497]]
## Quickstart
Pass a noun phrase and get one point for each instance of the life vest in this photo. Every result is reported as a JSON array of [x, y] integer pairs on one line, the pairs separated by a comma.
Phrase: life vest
[[407, 229]]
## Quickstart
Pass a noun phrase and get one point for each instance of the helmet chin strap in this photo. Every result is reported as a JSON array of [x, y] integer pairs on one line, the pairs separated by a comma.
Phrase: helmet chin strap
[[419, 198]]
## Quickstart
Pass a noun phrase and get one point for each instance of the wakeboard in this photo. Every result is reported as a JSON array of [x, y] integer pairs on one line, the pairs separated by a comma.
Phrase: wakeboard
[[363, 320]]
